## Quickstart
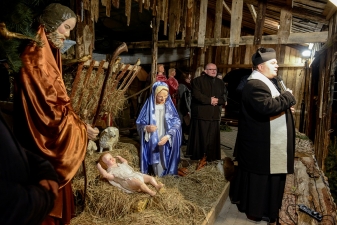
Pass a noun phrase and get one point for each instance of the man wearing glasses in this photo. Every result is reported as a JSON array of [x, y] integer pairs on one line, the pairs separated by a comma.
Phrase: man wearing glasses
[[208, 93]]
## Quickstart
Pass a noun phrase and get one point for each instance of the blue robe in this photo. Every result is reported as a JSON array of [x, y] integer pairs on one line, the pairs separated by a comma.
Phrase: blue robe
[[149, 152]]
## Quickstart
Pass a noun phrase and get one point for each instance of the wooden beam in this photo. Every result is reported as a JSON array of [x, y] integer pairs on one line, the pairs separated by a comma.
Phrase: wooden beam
[[202, 23], [261, 15], [252, 11], [172, 24], [294, 38], [285, 25], [236, 21], [189, 22], [293, 65], [226, 7], [329, 10], [154, 47], [297, 12], [218, 20]]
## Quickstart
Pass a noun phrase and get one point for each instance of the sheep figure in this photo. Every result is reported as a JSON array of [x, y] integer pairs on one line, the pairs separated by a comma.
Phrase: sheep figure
[[92, 147], [108, 138]]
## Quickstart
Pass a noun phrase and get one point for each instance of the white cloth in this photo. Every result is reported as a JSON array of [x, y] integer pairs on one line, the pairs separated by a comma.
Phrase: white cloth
[[278, 131], [124, 172]]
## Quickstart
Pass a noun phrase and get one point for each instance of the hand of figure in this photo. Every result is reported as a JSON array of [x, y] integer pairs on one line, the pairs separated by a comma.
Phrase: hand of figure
[[214, 100], [151, 128], [292, 109], [50, 185], [163, 140], [92, 132]]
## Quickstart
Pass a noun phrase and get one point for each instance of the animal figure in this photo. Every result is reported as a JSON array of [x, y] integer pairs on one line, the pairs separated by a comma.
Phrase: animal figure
[[108, 138], [92, 147]]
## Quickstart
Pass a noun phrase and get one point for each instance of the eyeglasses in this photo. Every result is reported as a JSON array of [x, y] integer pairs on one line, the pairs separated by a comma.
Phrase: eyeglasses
[[212, 69]]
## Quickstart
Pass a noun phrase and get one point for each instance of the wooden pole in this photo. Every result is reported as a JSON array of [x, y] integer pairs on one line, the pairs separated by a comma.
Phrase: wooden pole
[[154, 47]]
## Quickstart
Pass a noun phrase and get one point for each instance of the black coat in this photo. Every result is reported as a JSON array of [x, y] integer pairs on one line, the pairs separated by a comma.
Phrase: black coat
[[203, 88], [22, 199], [257, 107]]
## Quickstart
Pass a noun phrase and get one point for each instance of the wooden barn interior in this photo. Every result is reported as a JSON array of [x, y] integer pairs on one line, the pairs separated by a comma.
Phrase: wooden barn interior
[[188, 34]]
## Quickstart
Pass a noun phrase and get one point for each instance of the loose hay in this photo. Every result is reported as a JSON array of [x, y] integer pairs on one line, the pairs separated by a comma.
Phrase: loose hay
[[183, 200]]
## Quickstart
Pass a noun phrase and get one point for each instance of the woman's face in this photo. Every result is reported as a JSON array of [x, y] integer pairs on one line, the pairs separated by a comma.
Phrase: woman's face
[[161, 97], [109, 160], [57, 37], [161, 69]]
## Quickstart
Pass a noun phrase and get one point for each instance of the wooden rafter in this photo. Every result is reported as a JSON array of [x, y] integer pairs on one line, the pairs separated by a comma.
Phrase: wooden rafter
[[225, 6], [252, 11], [294, 38]]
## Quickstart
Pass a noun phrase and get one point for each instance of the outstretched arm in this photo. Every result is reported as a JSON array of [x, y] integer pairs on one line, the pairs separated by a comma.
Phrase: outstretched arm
[[103, 172]]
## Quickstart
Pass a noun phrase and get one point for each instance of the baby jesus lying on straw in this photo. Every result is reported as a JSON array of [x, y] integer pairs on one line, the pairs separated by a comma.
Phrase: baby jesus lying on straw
[[123, 176]]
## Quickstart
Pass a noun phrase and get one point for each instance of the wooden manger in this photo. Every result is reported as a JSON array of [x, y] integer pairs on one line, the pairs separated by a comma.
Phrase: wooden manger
[[99, 87]]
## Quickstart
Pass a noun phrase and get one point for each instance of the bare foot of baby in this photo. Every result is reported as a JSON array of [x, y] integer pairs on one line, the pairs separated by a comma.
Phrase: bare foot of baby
[[152, 193], [159, 186]]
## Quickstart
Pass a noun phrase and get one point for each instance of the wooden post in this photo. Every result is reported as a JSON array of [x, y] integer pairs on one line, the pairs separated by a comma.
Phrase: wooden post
[[261, 14], [155, 29], [84, 30], [172, 24], [236, 20], [285, 25], [202, 23], [189, 20], [218, 21]]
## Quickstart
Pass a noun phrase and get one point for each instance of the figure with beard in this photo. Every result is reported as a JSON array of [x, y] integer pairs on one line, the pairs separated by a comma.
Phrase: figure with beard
[[44, 119]]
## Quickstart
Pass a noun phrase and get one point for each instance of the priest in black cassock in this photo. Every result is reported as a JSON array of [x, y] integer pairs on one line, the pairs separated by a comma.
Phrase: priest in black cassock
[[265, 142], [208, 93]]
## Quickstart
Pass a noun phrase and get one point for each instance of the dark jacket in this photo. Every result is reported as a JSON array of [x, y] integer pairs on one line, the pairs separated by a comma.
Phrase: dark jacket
[[254, 131], [203, 88], [22, 199]]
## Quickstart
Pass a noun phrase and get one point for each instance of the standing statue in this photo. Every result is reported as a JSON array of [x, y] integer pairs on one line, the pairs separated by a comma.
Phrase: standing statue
[[159, 128]]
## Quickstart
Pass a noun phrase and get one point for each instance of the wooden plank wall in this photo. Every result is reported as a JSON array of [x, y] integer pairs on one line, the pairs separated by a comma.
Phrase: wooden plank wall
[[319, 112]]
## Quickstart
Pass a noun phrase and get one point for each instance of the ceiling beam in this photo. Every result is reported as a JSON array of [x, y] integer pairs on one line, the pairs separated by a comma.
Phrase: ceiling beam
[[252, 11], [294, 38], [226, 7], [297, 12]]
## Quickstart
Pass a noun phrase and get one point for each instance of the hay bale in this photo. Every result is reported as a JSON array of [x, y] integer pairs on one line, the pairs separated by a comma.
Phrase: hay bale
[[183, 200]]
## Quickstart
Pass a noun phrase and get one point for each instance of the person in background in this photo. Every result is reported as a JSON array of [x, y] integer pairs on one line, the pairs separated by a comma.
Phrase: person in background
[[28, 183], [159, 129], [184, 104], [161, 73], [266, 142], [199, 71], [208, 93], [173, 85], [45, 122]]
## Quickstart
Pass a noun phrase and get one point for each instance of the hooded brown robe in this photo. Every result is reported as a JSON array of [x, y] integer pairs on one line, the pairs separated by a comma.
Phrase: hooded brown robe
[[45, 120]]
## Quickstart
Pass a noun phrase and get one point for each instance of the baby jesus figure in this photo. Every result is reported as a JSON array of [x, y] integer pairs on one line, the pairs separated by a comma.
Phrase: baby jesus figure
[[123, 176]]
